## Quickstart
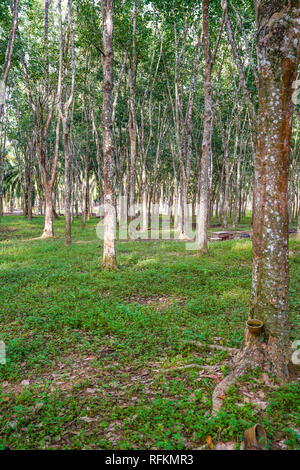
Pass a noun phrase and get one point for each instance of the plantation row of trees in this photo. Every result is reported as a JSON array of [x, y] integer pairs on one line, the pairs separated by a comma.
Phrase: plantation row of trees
[[184, 108]]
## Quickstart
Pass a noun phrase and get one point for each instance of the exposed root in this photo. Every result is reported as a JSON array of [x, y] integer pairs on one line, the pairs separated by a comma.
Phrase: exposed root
[[223, 386], [267, 356], [212, 346], [44, 236]]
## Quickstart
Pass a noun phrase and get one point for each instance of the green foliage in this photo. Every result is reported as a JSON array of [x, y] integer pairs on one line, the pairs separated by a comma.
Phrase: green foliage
[[95, 346]]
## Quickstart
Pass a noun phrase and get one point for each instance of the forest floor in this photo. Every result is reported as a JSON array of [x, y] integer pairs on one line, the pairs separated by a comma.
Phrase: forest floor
[[91, 354]]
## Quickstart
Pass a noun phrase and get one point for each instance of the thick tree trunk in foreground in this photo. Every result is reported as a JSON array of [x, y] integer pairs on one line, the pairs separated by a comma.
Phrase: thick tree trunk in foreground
[[278, 48], [8, 56], [202, 215], [109, 254]]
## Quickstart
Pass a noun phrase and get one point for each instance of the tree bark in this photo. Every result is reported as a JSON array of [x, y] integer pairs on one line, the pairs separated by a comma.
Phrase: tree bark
[[42, 112], [132, 112], [278, 58], [63, 113], [207, 135], [209, 59]]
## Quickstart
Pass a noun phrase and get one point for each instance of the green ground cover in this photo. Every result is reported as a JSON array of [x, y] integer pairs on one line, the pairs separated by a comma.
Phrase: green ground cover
[[89, 352]]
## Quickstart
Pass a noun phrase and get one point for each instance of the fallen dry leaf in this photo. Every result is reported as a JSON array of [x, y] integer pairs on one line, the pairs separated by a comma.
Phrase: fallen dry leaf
[[209, 441]]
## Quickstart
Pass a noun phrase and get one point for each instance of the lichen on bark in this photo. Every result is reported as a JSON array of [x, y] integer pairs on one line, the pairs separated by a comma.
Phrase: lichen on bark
[[109, 255], [278, 25]]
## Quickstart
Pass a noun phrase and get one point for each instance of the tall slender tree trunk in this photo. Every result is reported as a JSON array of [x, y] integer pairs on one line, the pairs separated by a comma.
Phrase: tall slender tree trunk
[[85, 181], [8, 56], [144, 200], [3, 130], [238, 179], [109, 253], [226, 188], [30, 178], [63, 113], [204, 198], [207, 134], [68, 159], [48, 223], [42, 111], [132, 112], [298, 225], [278, 50]]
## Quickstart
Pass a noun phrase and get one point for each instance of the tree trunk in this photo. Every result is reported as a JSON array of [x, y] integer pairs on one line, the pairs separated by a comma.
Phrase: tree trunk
[[144, 201], [132, 113], [30, 178], [236, 204], [226, 189], [68, 159], [109, 253], [207, 133], [42, 112], [48, 224], [8, 57], [85, 181], [278, 53], [298, 225], [63, 113], [278, 57]]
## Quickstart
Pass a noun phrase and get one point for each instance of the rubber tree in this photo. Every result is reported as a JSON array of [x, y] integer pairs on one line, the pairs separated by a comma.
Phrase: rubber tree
[[41, 100], [278, 51], [109, 253], [278, 57], [3, 83], [8, 55], [209, 60], [132, 125], [63, 110]]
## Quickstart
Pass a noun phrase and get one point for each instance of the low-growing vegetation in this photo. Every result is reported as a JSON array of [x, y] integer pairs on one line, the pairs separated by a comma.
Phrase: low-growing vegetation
[[95, 358]]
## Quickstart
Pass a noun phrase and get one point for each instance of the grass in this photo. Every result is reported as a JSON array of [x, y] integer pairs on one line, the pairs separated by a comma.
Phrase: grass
[[88, 351]]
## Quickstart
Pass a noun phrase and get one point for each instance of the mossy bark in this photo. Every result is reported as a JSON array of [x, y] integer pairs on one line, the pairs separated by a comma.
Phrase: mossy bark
[[109, 254], [278, 58]]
